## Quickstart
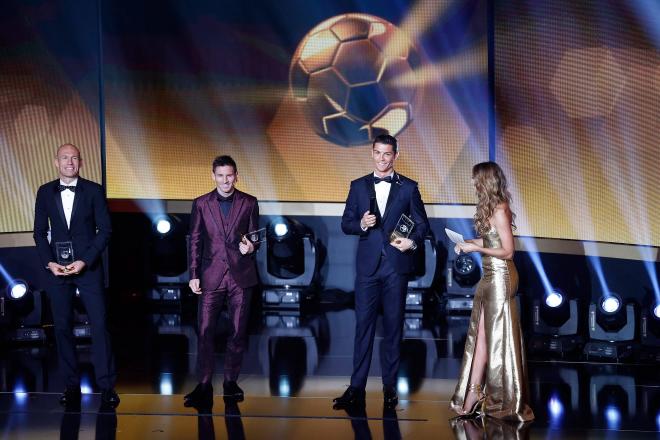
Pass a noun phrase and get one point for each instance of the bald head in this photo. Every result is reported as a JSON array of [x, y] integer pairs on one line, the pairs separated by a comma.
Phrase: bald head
[[68, 162], [67, 146]]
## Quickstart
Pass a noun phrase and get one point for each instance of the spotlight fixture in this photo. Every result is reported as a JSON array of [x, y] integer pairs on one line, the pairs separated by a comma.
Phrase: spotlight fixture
[[419, 287], [21, 311], [611, 327], [555, 324], [463, 273], [650, 330], [287, 262], [169, 258], [17, 289]]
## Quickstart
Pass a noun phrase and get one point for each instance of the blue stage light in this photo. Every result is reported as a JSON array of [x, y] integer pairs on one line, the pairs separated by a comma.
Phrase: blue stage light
[[613, 417], [554, 299], [280, 229], [163, 226], [555, 409], [402, 386], [284, 386], [17, 289], [166, 388], [656, 311], [610, 304]]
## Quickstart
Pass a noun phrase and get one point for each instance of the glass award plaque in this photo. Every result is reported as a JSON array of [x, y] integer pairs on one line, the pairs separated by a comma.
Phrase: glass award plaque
[[403, 228], [258, 236], [64, 251]]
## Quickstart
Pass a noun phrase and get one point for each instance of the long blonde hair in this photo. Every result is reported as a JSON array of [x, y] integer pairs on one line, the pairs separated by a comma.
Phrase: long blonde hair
[[491, 187]]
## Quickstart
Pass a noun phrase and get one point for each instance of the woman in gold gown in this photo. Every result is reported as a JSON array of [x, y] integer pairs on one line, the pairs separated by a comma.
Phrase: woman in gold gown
[[493, 378]]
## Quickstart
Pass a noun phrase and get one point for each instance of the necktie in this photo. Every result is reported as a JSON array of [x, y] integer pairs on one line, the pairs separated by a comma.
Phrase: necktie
[[387, 179], [71, 188]]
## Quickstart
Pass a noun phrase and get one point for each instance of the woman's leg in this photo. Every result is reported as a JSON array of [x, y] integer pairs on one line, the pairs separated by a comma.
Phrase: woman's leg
[[478, 363]]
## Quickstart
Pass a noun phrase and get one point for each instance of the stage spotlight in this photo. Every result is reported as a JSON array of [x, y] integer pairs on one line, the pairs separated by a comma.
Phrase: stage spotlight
[[555, 324], [287, 263], [169, 258], [611, 327], [650, 330], [610, 304], [554, 299], [17, 289], [419, 287], [463, 273], [21, 311]]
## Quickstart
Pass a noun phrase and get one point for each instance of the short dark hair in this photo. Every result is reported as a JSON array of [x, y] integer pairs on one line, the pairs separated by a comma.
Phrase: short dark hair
[[222, 161], [387, 140]]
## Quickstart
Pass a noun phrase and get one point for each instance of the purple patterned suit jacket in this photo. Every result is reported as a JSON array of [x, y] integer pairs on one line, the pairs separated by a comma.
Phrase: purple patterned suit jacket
[[214, 240]]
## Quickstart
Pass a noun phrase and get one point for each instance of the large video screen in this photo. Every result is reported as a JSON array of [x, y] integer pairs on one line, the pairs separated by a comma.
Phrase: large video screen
[[48, 96], [578, 89], [294, 91]]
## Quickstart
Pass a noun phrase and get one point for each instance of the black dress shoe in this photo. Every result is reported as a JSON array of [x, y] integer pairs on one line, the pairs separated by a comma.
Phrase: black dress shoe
[[109, 398], [351, 397], [231, 390], [70, 398], [201, 396], [390, 399]]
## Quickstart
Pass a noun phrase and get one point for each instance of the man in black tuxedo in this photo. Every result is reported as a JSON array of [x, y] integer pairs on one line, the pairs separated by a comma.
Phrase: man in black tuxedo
[[374, 205], [75, 212]]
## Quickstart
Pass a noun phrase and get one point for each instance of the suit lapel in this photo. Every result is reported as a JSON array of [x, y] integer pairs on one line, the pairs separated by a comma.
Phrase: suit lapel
[[371, 190], [394, 190], [79, 194], [235, 210], [215, 212], [58, 201]]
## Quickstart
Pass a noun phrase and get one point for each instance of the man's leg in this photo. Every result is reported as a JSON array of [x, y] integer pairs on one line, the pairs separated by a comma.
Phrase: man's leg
[[367, 300], [238, 305], [209, 306], [61, 302], [394, 301], [93, 299]]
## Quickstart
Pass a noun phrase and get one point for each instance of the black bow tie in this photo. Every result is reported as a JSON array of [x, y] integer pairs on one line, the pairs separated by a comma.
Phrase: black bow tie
[[71, 188], [387, 179]]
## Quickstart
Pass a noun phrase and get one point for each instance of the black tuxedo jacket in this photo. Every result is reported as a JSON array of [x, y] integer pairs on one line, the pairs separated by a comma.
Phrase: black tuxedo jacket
[[89, 232], [404, 198]]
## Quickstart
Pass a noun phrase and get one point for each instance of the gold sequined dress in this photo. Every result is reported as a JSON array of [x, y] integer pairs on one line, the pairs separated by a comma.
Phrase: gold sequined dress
[[505, 382]]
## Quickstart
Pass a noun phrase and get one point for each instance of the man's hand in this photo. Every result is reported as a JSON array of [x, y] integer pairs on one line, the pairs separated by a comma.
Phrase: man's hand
[[57, 269], [368, 220], [402, 244], [245, 246], [75, 268], [194, 286]]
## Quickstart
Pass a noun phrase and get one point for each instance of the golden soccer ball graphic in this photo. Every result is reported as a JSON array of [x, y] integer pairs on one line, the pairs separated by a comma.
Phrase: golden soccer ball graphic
[[344, 74]]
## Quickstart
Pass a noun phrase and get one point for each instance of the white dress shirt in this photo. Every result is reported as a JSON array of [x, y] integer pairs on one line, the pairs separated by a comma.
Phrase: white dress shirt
[[67, 201], [382, 193]]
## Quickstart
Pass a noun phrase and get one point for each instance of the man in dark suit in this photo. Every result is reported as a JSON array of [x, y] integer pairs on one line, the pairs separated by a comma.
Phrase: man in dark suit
[[222, 266], [374, 205], [75, 212]]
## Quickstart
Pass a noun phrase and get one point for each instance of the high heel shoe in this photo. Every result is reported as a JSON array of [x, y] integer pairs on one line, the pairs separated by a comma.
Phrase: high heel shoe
[[478, 407]]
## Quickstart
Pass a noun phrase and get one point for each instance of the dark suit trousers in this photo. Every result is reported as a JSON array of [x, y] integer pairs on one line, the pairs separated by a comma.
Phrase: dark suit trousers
[[61, 299], [387, 288], [209, 306]]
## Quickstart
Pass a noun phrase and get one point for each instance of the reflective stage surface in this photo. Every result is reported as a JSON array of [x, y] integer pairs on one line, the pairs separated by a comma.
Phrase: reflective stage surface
[[295, 364]]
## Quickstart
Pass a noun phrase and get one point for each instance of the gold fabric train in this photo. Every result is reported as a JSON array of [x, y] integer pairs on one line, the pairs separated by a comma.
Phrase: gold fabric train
[[506, 373]]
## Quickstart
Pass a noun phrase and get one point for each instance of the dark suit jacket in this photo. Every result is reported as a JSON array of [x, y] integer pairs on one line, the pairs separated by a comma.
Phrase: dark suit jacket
[[404, 198], [89, 232], [214, 240]]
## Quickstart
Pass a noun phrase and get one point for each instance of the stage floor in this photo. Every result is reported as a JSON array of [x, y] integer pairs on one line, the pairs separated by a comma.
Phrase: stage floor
[[295, 364]]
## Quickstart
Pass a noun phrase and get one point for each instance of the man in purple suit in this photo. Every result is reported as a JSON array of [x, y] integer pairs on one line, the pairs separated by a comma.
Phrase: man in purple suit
[[222, 267]]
